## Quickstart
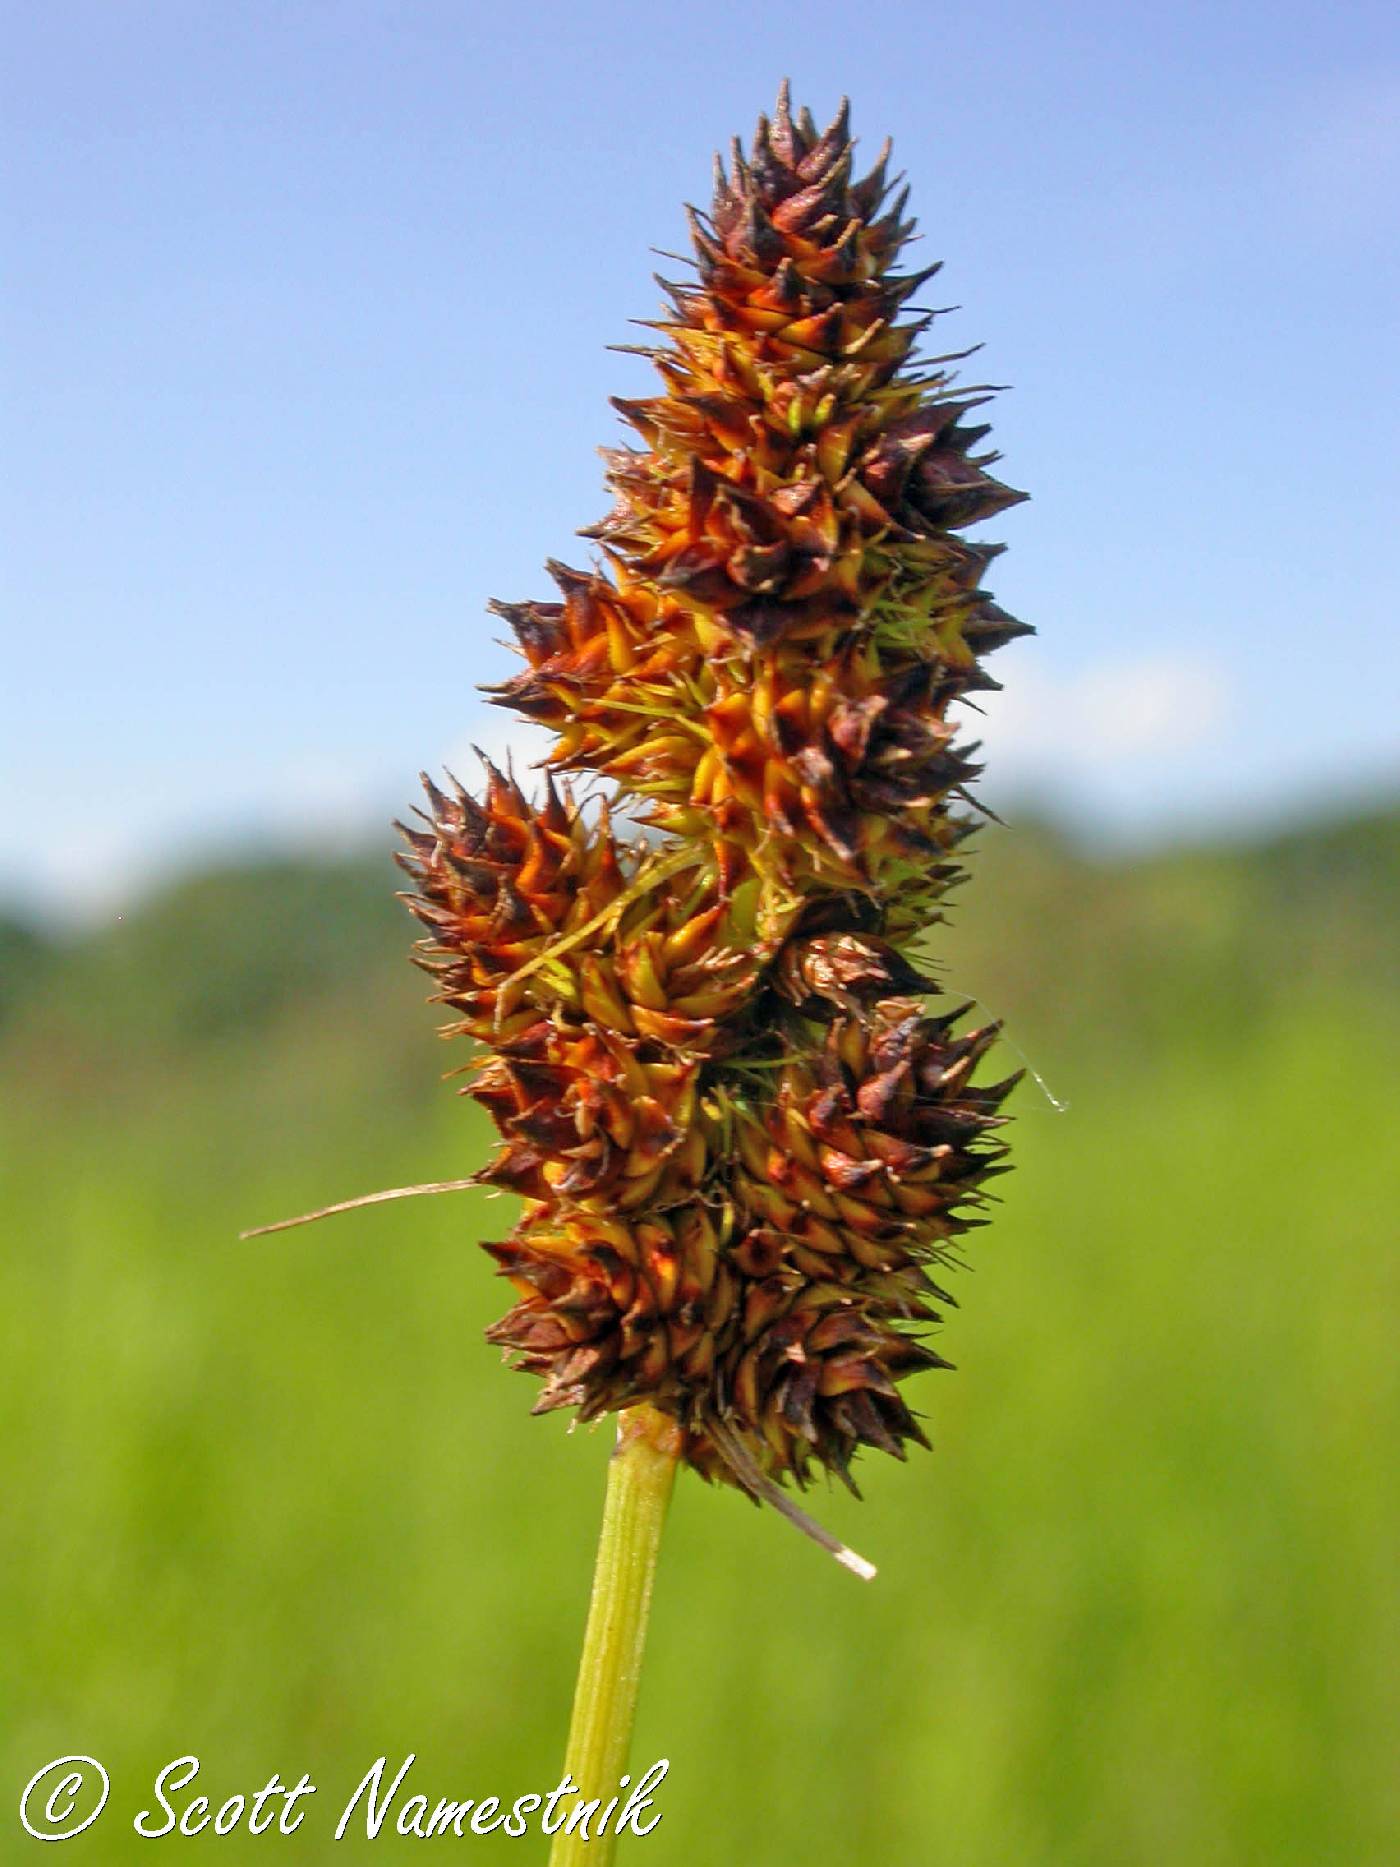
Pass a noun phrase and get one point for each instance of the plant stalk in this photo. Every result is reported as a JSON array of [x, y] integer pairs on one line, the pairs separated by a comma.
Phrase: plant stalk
[[641, 1475]]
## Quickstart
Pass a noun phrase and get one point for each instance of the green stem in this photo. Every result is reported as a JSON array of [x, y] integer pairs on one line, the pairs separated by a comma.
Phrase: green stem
[[641, 1474]]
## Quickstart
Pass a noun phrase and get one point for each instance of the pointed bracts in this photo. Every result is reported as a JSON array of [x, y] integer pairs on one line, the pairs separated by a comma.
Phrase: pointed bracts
[[746, 1148]]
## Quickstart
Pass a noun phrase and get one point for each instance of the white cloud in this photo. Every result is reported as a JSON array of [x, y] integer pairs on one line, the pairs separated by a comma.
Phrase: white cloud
[[506, 740], [97, 862], [1101, 721], [320, 801]]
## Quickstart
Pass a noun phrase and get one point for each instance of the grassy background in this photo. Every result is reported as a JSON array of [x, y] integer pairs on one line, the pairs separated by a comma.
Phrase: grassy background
[[276, 1504]]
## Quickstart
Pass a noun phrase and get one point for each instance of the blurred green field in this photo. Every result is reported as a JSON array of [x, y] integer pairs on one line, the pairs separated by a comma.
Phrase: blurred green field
[[276, 1504]]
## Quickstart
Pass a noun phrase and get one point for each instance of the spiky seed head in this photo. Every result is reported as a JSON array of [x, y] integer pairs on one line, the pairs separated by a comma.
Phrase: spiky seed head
[[745, 1146]]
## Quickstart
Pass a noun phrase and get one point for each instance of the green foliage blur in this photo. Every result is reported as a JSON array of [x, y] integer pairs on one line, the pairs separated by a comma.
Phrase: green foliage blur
[[275, 1504]]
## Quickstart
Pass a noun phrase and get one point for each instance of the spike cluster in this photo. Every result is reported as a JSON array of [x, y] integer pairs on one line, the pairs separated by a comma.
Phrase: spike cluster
[[743, 1144]]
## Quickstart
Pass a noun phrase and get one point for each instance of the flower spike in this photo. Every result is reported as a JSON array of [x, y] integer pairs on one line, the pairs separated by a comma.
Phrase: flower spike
[[747, 1148]]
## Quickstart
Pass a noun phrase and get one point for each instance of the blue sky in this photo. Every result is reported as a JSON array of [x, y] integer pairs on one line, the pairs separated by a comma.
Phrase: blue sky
[[305, 358]]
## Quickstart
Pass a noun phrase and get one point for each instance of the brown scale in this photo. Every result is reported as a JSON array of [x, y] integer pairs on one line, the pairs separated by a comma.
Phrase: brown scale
[[601, 1120], [880, 1140], [743, 1143], [497, 882]]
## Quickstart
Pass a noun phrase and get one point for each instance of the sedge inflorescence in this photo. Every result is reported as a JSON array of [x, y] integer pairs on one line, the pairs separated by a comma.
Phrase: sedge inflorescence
[[745, 1144]]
